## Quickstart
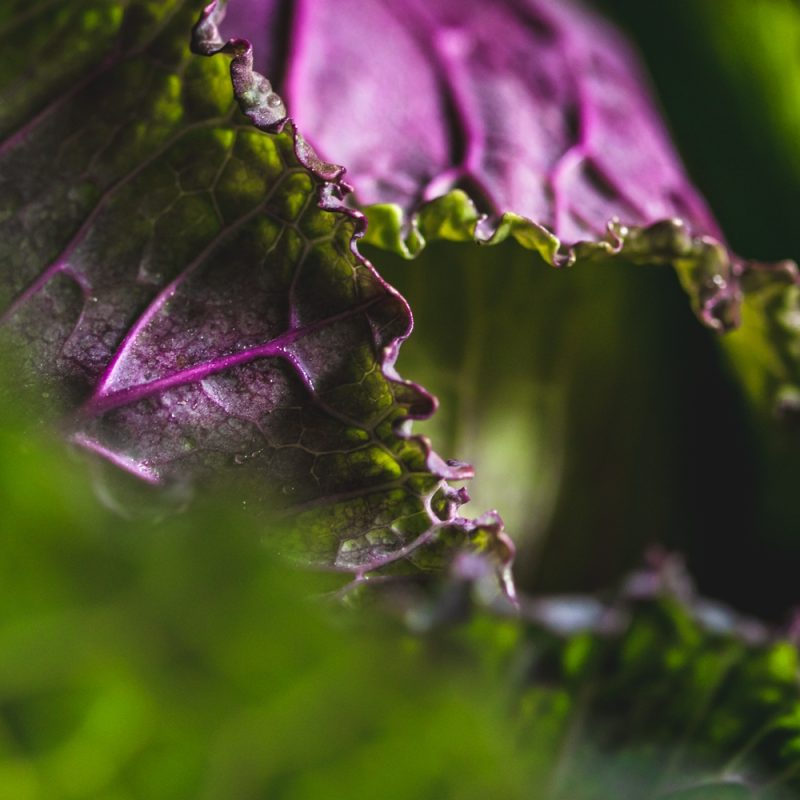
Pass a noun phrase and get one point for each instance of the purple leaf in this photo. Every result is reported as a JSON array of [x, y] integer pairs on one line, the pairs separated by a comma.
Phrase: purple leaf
[[190, 288], [529, 118], [534, 107]]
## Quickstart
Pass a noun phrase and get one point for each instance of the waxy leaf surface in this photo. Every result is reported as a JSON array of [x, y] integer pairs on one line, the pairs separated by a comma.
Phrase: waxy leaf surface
[[190, 287]]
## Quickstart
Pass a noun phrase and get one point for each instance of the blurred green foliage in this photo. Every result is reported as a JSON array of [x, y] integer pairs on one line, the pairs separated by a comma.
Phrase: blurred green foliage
[[184, 658]]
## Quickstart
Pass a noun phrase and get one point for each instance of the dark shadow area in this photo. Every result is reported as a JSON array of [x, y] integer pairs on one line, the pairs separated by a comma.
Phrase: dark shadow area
[[601, 418]]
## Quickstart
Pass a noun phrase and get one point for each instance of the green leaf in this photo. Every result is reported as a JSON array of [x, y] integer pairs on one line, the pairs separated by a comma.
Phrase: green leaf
[[671, 696]]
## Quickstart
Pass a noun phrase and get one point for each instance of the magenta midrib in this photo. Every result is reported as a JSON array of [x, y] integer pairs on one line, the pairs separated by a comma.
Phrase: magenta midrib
[[102, 403], [158, 303]]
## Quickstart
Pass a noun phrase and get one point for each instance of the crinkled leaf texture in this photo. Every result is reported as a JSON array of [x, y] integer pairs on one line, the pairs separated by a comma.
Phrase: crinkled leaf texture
[[524, 118], [536, 107], [190, 287]]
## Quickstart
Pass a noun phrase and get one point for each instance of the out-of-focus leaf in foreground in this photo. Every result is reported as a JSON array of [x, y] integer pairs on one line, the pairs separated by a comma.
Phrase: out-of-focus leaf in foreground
[[190, 288], [183, 660]]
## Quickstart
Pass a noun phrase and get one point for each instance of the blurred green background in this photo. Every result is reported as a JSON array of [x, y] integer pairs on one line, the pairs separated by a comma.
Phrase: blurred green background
[[728, 77], [185, 659]]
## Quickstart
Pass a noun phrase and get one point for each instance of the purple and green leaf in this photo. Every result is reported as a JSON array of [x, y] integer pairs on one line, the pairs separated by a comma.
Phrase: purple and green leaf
[[189, 289], [451, 129], [530, 119], [190, 286]]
